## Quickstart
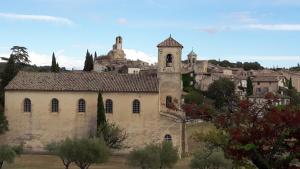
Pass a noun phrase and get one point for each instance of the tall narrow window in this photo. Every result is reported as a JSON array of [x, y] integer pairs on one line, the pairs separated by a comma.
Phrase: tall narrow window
[[136, 106], [168, 137], [81, 105], [108, 106], [54, 105], [169, 60], [168, 101], [27, 105]]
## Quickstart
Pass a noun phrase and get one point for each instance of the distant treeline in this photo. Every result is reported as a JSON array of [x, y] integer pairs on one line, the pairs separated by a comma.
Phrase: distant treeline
[[245, 65]]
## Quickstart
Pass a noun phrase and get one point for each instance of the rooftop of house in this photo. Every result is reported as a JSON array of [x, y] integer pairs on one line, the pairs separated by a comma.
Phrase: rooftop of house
[[170, 42], [267, 78], [83, 81]]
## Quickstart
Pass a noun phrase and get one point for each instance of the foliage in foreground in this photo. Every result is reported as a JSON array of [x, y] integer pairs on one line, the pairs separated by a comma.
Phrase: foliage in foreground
[[154, 156], [83, 152], [210, 159], [266, 136], [8, 153]]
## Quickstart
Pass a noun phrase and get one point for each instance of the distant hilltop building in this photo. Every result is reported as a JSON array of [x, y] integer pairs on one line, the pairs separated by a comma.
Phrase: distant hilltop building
[[115, 61]]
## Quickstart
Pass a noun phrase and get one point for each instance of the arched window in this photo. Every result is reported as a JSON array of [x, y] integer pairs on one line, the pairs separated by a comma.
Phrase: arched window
[[108, 106], [168, 101], [81, 105], [169, 60], [136, 106], [54, 105], [27, 105], [168, 137]]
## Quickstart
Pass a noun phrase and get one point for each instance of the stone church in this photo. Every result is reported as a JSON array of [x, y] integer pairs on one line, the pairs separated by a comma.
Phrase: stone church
[[46, 107]]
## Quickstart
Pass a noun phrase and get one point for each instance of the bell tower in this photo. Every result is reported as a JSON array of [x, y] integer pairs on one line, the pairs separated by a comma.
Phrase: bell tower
[[169, 74]]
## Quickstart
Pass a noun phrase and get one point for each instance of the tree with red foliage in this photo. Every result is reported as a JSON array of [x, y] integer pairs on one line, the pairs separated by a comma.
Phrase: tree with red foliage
[[264, 134], [194, 111]]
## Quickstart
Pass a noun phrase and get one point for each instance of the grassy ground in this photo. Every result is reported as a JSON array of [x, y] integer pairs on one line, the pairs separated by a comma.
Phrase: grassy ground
[[52, 162], [115, 162]]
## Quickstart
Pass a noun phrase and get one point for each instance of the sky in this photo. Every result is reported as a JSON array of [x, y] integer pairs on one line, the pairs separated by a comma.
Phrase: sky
[[267, 31]]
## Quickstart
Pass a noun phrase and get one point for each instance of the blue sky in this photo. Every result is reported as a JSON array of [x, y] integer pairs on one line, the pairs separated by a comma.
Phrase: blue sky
[[267, 31]]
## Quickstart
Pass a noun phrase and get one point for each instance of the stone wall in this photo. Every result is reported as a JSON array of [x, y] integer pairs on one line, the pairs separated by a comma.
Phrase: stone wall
[[41, 126]]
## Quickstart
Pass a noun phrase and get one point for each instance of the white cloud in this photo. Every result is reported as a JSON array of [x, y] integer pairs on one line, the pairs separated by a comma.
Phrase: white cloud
[[210, 30], [122, 21], [133, 54], [276, 27], [43, 18], [63, 60], [243, 17]]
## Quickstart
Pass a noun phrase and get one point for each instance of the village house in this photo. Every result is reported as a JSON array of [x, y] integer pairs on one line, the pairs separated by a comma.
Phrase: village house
[[46, 107]]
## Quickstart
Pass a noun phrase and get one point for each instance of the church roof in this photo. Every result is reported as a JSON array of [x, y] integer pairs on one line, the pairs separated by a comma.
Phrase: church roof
[[192, 53], [83, 81], [170, 42]]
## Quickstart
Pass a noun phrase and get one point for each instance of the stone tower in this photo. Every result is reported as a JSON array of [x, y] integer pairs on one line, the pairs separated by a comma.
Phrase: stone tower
[[118, 44], [117, 52], [169, 74], [192, 57]]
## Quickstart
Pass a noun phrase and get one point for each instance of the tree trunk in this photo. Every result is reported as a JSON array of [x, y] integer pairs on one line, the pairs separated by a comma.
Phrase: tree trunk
[[1, 164]]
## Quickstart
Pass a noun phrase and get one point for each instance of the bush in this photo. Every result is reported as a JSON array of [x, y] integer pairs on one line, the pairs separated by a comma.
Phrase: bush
[[112, 134], [8, 153], [89, 151], [64, 150], [154, 156], [83, 152], [210, 160]]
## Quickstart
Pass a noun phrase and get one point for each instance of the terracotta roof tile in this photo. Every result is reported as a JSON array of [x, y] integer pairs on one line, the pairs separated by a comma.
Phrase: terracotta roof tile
[[83, 81], [170, 42]]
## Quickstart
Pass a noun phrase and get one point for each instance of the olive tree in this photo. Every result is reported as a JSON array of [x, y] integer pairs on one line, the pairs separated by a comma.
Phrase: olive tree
[[89, 151], [154, 156], [9, 153]]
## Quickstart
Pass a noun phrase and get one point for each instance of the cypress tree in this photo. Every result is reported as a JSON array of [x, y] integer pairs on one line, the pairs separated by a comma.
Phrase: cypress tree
[[95, 55], [249, 87], [89, 62], [54, 64], [101, 118], [290, 84]]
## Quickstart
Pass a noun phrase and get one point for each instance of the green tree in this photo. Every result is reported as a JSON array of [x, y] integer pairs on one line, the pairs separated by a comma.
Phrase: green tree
[[64, 150], [113, 135], [168, 155], [8, 153], [88, 63], [101, 118], [249, 87], [222, 92], [95, 55], [194, 96], [89, 151], [19, 55], [54, 64], [290, 84], [154, 156], [206, 159]]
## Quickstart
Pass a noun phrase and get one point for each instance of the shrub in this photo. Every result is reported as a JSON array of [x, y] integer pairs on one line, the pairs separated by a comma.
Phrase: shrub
[[8, 153], [154, 156], [64, 150], [83, 152], [113, 135], [210, 160], [89, 151]]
